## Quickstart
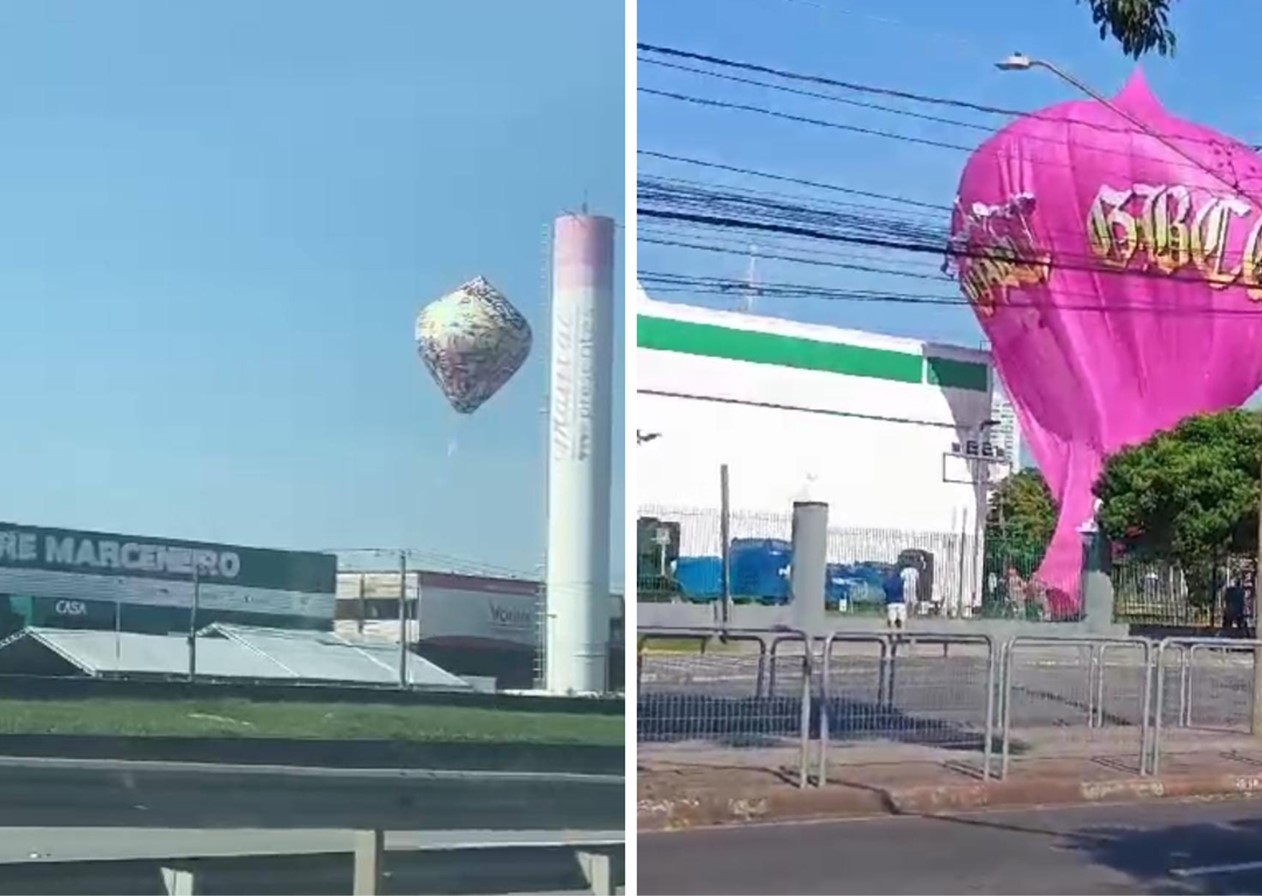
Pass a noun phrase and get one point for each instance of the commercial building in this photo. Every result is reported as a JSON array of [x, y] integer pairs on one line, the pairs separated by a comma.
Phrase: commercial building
[[873, 425], [64, 578], [479, 626], [1007, 432]]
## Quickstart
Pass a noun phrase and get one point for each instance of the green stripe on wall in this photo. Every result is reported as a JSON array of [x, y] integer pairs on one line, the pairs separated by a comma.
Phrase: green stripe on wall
[[710, 341], [952, 374]]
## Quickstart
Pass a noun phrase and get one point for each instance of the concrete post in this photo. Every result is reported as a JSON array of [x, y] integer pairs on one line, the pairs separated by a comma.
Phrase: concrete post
[[807, 574], [369, 850], [598, 870], [1097, 583], [179, 881]]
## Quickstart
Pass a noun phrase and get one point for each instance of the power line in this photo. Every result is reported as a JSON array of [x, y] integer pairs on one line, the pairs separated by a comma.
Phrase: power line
[[943, 144], [803, 119], [667, 282], [815, 94], [862, 268], [911, 96], [924, 248], [821, 185]]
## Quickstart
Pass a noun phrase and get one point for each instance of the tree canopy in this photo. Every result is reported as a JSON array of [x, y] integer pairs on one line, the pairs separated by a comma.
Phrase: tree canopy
[[1020, 520], [1188, 495], [1140, 26]]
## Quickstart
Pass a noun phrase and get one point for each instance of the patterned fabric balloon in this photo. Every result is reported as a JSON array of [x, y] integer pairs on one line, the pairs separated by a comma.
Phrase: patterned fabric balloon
[[1118, 277], [472, 342]]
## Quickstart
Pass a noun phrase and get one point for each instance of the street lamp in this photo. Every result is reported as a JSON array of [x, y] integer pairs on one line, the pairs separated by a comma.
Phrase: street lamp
[[1019, 62]]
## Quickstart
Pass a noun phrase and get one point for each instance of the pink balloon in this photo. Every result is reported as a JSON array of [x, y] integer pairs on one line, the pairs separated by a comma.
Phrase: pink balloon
[[1119, 284]]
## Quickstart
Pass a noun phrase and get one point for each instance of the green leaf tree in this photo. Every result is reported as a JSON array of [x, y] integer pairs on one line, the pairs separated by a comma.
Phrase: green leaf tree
[[1020, 521], [1187, 495], [1140, 26]]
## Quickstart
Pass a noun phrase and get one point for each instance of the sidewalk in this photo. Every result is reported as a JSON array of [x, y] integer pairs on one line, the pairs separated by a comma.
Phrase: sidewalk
[[678, 793]]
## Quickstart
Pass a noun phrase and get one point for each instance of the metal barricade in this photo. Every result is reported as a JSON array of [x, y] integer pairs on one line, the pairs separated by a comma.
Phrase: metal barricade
[[917, 699], [735, 703], [1059, 692], [645, 637], [1226, 715]]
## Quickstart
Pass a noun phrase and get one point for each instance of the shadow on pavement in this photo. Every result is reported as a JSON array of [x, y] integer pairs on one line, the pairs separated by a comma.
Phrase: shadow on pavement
[[1209, 857]]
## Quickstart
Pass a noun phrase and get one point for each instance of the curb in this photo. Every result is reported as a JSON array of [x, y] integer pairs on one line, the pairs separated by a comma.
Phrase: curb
[[841, 801]]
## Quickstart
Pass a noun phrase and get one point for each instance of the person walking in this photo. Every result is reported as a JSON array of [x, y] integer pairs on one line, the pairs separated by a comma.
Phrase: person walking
[[895, 602], [910, 577]]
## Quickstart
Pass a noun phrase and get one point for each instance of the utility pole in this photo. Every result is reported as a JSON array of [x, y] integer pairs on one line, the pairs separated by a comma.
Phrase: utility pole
[[403, 619], [1255, 721], [725, 537], [192, 622]]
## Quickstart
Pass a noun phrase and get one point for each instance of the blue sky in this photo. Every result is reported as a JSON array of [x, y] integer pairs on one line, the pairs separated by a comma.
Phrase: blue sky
[[943, 49], [217, 223]]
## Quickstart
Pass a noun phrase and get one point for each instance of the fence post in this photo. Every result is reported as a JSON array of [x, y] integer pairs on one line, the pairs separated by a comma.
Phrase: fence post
[[725, 550], [804, 758]]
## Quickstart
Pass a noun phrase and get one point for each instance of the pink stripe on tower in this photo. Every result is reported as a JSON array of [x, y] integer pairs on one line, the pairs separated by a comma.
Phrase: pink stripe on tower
[[582, 255]]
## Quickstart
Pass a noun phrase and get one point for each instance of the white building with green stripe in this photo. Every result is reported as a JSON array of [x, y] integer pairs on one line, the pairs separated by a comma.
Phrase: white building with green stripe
[[861, 421]]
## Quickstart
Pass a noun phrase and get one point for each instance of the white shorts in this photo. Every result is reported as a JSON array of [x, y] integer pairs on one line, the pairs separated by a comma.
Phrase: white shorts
[[896, 613]]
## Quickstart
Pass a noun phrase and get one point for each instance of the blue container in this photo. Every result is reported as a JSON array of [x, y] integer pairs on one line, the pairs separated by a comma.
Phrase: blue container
[[759, 569], [838, 581], [700, 578]]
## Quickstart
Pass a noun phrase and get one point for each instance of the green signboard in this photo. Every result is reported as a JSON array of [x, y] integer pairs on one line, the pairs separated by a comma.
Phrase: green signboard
[[62, 576]]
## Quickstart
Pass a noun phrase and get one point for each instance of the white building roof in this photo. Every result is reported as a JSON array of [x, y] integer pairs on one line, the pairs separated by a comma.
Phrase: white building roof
[[227, 651]]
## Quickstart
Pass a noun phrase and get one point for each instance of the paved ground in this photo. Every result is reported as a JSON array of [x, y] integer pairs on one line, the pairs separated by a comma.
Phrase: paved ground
[[76, 793], [1174, 848]]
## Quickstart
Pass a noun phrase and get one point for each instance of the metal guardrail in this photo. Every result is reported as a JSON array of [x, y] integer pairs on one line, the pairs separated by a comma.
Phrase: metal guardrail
[[376, 866], [1188, 648], [886, 711], [1093, 698], [735, 701], [1095, 685]]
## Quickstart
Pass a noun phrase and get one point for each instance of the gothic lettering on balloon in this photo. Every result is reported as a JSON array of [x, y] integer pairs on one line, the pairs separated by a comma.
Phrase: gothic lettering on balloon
[[1113, 232], [994, 251], [1209, 240], [1251, 264], [1167, 228]]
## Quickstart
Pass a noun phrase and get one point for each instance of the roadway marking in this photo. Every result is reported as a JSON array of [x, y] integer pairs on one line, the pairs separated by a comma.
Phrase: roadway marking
[[1207, 870]]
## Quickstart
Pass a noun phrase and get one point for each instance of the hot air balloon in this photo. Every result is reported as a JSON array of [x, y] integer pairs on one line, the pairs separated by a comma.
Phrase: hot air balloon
[[472, 341], [1115, 274]]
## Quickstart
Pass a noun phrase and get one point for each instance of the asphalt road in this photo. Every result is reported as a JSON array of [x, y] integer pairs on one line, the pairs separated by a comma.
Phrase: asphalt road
[[1164, 848], [86, 793]]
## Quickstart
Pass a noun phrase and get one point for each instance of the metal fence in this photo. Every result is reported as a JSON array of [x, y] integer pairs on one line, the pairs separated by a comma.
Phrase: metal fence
[[686, 562], [905, 695], [1079, 697], [749, 691], [1101, 705], [1205, 697]]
